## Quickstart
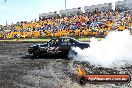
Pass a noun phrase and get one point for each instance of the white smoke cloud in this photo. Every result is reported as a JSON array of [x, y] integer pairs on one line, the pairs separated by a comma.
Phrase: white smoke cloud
[[115, 49]]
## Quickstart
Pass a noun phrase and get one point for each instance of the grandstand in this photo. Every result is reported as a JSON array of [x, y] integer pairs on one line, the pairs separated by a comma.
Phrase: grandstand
[[96, 21], [70, 12], [99, 7], [126, 4], [48, 15]]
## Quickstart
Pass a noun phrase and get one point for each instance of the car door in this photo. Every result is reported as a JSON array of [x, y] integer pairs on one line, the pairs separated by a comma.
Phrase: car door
[[53, 47], [65, 46]]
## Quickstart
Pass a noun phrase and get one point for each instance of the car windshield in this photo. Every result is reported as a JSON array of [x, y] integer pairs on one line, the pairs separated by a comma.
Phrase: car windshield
[[70, 41]]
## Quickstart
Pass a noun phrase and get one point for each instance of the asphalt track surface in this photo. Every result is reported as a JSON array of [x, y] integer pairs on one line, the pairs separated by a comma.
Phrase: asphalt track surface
[[20, 70]]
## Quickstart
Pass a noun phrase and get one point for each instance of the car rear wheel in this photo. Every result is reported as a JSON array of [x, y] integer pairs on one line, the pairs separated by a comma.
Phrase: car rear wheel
[[36, 53]]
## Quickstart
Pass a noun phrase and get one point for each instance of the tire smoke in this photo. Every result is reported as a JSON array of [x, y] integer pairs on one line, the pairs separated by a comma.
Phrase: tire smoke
[[114, 50]]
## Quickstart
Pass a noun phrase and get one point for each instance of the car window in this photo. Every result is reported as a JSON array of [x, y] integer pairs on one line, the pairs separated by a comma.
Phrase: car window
[[65, 42], [54, 42]]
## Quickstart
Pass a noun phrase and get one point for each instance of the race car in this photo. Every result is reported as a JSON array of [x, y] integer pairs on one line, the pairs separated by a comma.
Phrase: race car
[[60, 46]]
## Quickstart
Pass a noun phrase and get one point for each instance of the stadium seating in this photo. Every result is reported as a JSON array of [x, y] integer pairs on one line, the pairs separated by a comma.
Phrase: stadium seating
[[86, 24]]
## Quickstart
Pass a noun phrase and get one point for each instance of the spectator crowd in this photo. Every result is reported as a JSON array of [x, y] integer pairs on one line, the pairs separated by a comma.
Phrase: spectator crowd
[[97, 24]]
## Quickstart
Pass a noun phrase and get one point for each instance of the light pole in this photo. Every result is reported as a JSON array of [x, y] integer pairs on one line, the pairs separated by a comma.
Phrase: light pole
[[5, 1], [65, 4]]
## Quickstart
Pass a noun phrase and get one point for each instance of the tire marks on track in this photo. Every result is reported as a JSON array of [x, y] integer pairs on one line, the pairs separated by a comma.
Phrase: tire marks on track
[[67, 82], [52, 73]]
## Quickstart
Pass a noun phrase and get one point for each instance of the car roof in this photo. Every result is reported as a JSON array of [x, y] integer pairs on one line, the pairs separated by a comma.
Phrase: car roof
[[66, 38]]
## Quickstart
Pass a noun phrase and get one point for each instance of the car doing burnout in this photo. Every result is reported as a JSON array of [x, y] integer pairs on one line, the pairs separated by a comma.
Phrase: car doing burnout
[[61, 46]]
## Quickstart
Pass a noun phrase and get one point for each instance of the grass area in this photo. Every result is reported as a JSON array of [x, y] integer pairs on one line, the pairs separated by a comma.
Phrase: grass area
[[25, 40], [39, 40]]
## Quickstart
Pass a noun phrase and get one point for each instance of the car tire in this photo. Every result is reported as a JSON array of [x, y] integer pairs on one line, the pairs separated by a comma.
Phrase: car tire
[[36, 53]]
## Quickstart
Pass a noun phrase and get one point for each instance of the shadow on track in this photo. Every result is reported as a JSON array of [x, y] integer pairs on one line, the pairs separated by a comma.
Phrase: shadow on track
[[44, 57]]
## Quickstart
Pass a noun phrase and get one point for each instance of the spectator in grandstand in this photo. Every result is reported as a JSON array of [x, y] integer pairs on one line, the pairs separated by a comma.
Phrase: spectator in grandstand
[[91, 23]]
